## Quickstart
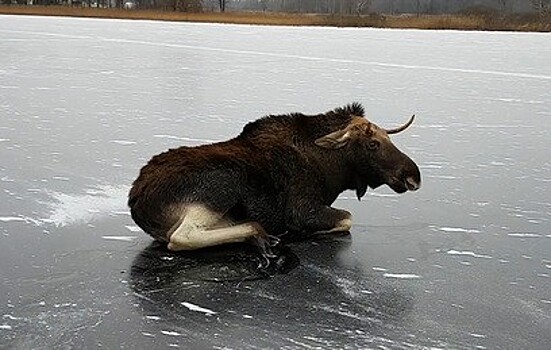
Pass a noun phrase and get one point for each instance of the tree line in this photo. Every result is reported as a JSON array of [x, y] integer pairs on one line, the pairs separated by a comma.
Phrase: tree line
[[343, 7]]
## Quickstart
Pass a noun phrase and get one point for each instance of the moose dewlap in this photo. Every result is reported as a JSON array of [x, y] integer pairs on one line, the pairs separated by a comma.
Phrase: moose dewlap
[[281, 174]]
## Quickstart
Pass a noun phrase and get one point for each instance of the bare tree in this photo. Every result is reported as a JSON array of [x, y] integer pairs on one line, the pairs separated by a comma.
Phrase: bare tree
[[503, 5], [363, 6], [542, 6]]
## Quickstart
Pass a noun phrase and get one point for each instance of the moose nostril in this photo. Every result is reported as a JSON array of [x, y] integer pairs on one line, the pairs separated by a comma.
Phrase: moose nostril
[[412, 184]]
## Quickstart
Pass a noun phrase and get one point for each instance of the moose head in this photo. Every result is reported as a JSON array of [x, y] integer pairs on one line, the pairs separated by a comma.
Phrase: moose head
[[376, 159]]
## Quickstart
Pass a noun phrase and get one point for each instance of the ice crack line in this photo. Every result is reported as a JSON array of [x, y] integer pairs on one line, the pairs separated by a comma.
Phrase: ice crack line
[[283, 55], [335, 60]]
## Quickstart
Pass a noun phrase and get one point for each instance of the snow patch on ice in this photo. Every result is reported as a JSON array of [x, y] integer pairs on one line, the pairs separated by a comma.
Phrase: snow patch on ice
[[376, 268], [67, 209], [181, 138], [10, 218], [24, 219], [133, 228], [120, 238], [198, 308], [457, 229], [524, 235], [476, 335], [468, 253], [123, 142], [401, 275], [172, 333]]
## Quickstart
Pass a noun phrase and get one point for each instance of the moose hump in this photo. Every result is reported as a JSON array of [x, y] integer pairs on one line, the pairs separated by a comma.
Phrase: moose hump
[[281, 174]]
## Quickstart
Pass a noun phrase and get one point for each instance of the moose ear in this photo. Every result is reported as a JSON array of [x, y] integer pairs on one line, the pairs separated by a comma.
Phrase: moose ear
[[334, 140]]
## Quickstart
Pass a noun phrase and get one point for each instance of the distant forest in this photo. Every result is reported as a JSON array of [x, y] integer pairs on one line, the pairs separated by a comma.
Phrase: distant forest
[[341, 7], [389, 7]]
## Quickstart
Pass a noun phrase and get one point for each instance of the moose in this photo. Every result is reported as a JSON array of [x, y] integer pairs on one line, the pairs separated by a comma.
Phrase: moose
[[279, 175]]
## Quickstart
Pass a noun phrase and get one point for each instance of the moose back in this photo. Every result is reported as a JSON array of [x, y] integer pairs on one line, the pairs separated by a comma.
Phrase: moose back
[[281, 174]]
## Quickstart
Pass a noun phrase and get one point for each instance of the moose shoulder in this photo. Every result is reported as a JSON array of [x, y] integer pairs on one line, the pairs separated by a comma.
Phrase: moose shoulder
[[281, 174]]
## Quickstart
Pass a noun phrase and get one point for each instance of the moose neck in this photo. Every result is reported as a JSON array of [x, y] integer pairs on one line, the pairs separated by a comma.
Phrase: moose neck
[[337, 169], [337, 173]]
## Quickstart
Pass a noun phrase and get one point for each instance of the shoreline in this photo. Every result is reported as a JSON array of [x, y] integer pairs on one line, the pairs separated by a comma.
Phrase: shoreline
[[451, 22]]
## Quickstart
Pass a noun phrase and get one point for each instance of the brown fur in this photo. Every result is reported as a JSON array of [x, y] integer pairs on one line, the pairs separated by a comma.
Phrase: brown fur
[[282, 172]]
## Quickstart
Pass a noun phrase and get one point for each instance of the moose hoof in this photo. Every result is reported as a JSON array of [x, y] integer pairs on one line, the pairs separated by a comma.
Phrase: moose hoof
[[264, 245], [343, 226], [273, 240]]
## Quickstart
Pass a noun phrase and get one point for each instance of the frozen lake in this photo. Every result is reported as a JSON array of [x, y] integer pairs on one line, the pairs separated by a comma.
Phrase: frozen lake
[[463, 263]]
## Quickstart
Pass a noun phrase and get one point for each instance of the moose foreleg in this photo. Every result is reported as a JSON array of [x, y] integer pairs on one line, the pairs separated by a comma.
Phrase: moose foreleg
[[321, 219]]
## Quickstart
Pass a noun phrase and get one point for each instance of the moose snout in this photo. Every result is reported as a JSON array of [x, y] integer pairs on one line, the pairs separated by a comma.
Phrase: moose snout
[[410, 176], [412, 184]]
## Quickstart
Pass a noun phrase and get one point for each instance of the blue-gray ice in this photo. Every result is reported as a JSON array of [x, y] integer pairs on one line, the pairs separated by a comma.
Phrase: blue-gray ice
[[463, 263]]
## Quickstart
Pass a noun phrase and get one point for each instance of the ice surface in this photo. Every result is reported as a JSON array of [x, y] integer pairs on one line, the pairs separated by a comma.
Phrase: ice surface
[[463, 263]]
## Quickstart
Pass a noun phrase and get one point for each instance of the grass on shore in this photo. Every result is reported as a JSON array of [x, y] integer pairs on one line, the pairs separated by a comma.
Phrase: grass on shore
[[460, 22]]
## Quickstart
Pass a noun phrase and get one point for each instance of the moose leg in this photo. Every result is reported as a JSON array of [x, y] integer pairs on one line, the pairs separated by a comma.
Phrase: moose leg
[[342, 226], [322, 220], [202, 227], [343, 223]]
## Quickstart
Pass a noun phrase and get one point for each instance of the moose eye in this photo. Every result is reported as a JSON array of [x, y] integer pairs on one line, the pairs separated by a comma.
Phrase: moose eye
[[373, 144]]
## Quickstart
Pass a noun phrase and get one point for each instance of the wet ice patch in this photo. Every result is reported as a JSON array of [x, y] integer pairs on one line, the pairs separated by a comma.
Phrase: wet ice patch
[[67, 209], [198, 308]]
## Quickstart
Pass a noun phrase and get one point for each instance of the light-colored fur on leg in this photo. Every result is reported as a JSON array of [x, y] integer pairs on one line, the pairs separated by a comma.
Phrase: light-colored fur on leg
[[342, 226], [202, 227]]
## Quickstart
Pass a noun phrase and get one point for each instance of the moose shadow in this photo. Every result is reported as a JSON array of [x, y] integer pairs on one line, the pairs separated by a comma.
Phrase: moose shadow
[[309, 288]]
